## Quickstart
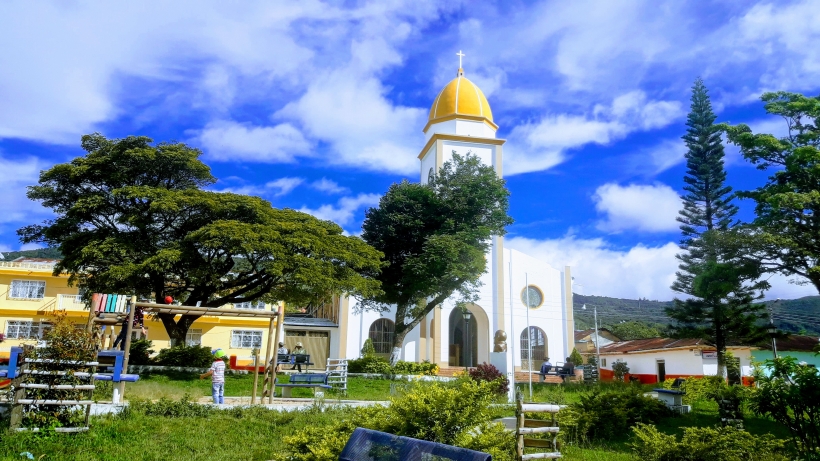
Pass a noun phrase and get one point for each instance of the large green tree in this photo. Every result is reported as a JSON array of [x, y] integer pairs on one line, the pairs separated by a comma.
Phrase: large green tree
[[720, 286], [131, 217], [785, 234], [434, 238]]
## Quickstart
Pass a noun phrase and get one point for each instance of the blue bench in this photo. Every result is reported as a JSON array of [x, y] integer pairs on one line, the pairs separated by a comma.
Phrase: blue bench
[[312, 380], [369, 445]]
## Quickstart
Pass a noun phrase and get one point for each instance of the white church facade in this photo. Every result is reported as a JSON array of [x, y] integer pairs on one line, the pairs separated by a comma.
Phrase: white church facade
[[517, 290]]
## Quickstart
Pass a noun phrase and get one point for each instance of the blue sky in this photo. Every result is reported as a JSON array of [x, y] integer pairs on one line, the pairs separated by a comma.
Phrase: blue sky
[[320, 106]]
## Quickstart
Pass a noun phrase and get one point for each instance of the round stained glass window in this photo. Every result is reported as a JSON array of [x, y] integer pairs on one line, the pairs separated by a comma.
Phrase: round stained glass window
[[532, 296]]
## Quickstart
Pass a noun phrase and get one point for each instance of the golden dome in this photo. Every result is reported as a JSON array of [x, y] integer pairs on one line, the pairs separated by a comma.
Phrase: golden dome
[[460, 97]]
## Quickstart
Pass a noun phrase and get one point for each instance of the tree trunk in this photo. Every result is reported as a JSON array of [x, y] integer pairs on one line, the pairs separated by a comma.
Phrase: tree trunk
[[177, 330], [398, 340]]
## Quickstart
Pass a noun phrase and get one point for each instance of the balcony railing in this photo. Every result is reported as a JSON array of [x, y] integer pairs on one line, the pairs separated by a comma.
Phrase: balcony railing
[[69, 301], [28, 265]]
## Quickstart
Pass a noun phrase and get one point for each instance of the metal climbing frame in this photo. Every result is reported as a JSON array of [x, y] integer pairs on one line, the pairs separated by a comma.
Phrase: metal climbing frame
[[336, 370]]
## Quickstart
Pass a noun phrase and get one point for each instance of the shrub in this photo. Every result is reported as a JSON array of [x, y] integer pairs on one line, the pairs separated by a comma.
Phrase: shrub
[[453, 413], [576, 357], [140, 352], [63, 343], [168, 408], [791, 396], [369, 364], [185, 356], [413, 368], [705, 444], [489, 373], [367, 349], [699, 389], [620, 370], [605, 416]]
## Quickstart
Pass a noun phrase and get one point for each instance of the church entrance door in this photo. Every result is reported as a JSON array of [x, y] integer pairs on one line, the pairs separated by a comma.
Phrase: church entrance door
[[463, 341]]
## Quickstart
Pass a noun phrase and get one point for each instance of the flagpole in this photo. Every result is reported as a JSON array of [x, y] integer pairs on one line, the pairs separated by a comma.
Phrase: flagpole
[[513, 336], [529, 338]]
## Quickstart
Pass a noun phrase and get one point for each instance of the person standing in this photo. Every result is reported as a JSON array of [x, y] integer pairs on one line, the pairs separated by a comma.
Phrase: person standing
[[217, 374]]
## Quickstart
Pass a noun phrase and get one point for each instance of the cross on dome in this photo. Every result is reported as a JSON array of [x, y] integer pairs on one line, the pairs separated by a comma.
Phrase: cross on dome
[[460, 55]]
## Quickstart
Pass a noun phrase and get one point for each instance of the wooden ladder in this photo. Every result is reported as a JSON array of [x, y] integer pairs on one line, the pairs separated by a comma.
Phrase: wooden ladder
[[525, 427]]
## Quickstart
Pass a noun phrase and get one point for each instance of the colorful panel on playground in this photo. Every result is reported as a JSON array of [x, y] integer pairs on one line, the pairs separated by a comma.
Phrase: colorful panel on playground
[[101, 302]]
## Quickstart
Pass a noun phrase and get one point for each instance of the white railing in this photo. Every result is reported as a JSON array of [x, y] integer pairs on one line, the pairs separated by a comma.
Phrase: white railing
[[28, 265], [69, 301]]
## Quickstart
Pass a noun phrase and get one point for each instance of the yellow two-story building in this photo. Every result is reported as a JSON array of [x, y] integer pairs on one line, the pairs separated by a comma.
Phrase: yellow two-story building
[[30, 295]]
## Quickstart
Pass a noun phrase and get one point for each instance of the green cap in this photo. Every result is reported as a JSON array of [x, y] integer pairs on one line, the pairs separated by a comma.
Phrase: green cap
[[219, 353]]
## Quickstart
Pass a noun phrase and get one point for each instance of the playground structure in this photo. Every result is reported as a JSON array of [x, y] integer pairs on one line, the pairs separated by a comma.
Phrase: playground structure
[[113, 309], [58, 380], [527, 427]]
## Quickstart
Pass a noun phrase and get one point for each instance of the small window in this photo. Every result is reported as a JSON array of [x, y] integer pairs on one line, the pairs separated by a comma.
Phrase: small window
[[27, 289], [250, 305], [25, 329], [430, 175], [246, 339], [603, 362], [193, 337], [532, 296]]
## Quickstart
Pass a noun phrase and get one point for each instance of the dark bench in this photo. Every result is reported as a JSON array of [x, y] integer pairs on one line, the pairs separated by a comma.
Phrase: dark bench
[[294, 359], [559, 370], [369, 445], [312, 380]]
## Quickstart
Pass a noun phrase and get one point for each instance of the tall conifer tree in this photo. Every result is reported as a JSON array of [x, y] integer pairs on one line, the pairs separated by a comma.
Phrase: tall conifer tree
[[721, 285]]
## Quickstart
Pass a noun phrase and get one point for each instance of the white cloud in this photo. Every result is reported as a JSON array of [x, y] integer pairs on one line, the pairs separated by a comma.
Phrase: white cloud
[[542, 145], [640, 271], [350, 111], [275, 188], [329, 186], [342, 213], [227, 141], [644, 208], [15, 176], [637, 272], [659, 158]]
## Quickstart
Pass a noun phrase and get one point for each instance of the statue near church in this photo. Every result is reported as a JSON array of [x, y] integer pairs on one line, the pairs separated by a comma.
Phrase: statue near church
[[500, 341]]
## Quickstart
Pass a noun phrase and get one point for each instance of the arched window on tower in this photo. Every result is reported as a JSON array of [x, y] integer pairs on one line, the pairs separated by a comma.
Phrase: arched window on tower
[[536, 342], [381, 333]]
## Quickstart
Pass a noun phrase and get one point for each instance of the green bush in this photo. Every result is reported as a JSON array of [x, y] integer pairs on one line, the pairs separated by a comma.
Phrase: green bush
[[168, 408], [378, 365], [367, 349], [369, 364], [576, 357], [185, 356], [140, 352], [706, 388], [705, 444], [458, 413], [790, 395], [413, 368], [606, 416], [620, 370]]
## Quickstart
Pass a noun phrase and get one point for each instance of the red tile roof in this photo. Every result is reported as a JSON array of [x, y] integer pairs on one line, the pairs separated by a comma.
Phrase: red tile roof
[[800, 343], [636, 345]]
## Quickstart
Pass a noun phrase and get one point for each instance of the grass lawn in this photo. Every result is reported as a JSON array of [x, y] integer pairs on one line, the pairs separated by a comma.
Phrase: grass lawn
[[256, 433], [173, 385]]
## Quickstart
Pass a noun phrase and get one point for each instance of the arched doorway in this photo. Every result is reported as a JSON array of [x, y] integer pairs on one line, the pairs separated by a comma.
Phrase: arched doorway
[[463, 344], [381, 333], [537, 340]]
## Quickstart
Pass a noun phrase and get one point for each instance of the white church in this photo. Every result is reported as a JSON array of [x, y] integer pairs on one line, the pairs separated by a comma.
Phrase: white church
[[518, 291]]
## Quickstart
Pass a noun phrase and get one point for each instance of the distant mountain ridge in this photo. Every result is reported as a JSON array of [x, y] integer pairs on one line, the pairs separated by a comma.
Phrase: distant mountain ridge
[[800, 315], [46, 253]]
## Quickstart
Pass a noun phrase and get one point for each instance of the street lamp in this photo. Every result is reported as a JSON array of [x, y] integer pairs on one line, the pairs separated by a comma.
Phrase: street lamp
[[597, 341], [467, 316]]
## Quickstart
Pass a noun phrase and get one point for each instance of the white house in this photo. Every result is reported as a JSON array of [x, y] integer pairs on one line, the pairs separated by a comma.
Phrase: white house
[[657, 359]]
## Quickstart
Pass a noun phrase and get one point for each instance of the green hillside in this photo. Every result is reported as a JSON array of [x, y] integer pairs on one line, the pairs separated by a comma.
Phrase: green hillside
[[47, 253], [792, 315]]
